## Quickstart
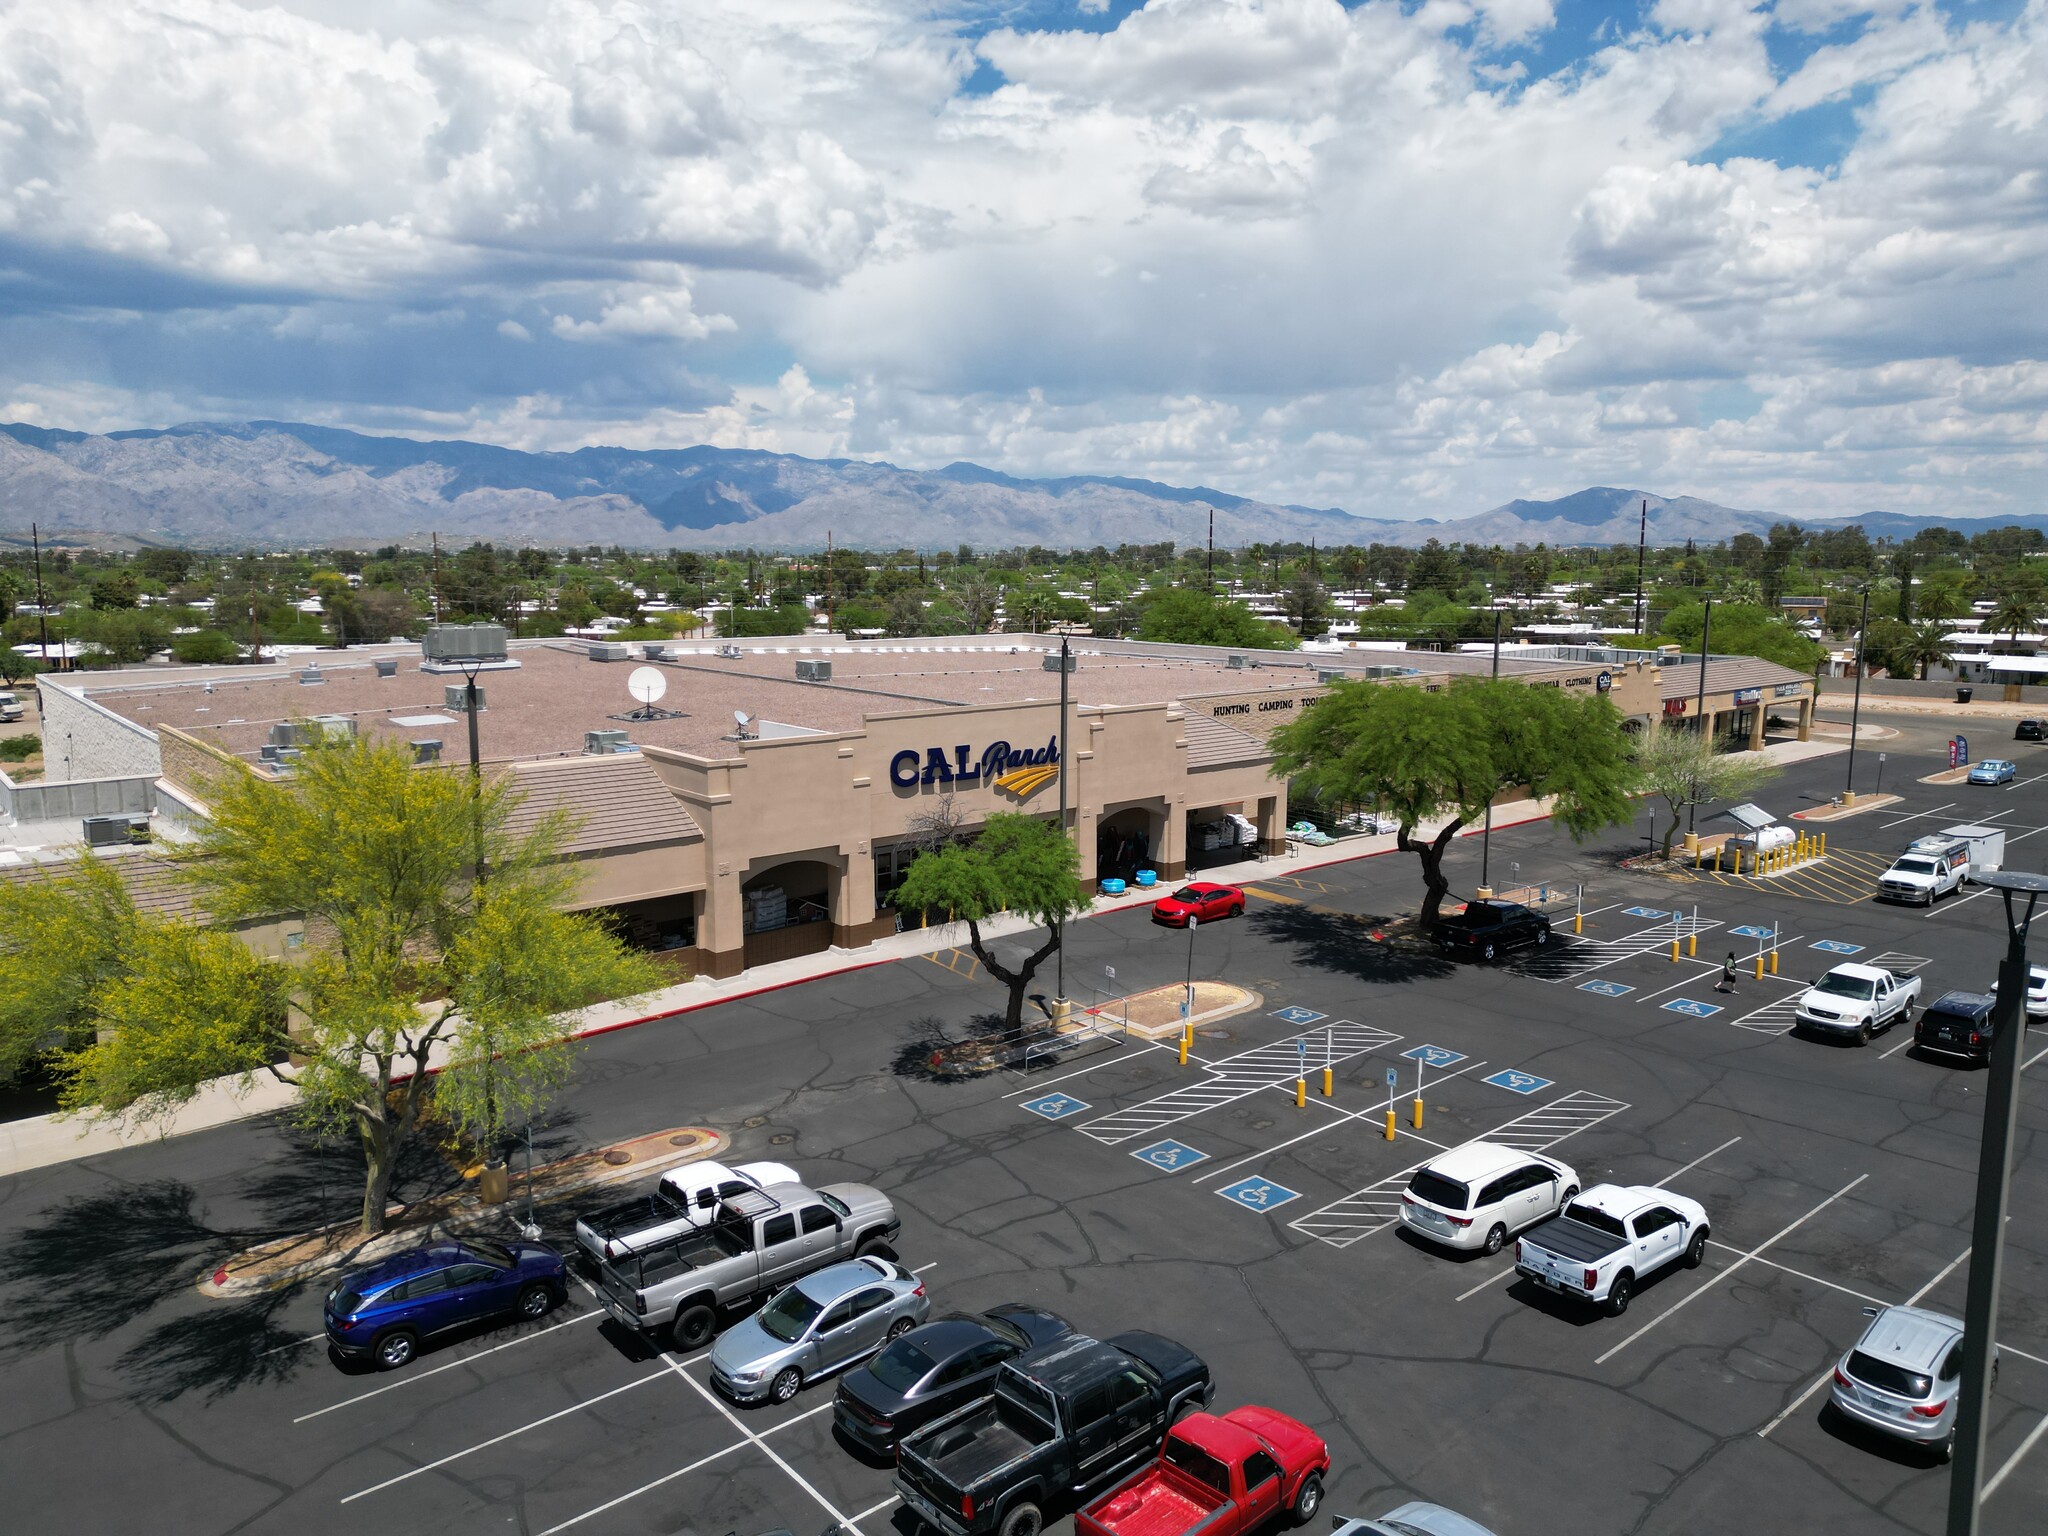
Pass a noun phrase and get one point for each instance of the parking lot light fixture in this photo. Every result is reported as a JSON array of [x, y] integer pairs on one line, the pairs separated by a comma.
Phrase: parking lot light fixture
[[1994, 1184]]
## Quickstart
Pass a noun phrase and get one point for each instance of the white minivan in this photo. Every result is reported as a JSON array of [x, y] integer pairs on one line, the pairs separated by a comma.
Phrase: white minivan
[[1479, 1195]]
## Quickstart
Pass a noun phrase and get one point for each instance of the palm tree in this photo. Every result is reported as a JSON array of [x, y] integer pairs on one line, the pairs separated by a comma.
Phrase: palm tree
[[1928, 647], [2017, 610]]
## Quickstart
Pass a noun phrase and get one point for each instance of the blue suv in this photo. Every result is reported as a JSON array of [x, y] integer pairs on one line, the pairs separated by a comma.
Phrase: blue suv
[[384, 1311]]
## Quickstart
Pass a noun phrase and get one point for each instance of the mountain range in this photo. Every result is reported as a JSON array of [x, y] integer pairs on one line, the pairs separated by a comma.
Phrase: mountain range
[[274, 484]]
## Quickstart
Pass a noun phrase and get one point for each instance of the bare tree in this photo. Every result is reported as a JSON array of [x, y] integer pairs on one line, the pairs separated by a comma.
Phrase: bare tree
[[937, 825]]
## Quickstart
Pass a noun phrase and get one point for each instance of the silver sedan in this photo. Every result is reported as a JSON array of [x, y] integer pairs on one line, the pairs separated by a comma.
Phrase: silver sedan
[[819, 1324]]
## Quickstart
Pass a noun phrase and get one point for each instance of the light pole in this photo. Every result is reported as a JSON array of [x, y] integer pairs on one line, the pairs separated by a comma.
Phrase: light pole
[[1486, 837], [1699, 710], [1994, 1183], [1060, 952], [1856, 705]]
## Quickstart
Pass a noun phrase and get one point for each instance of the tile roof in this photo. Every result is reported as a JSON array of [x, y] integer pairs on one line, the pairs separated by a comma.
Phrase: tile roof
[[1725, 674], [1212, 744], [620, 802]]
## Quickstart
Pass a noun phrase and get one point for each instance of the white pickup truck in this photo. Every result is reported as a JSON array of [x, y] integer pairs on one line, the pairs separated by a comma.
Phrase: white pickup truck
[[1603, 1245], [1922, 875], [686, 1197], [1857, 1000]]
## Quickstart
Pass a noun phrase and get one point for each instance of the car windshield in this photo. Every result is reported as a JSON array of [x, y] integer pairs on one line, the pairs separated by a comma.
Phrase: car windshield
[[1004, 1329], [837, 1206], [493, 1254], [789, 1314], [1887, 1377], [1597, 1219], [1188, 893], [1861, 988], [1914, 867], [1438, 1190], [901, 1366]]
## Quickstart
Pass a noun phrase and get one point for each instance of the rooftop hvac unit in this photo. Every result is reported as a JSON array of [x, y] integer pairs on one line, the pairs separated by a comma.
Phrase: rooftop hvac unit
[[426, 751], [282, 734], [112, 831], [609, 650], [387, 666], [814, 671], [1052, 663], [605, 743], [1330, 675], [280, 758], [1235, 663], [729, 652], [464, 642], [333, 727], [455, 696], [311, 675], [655, 650]]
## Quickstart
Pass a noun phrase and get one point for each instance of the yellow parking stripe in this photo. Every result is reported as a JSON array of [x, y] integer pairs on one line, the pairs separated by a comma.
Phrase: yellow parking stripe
[[1844, 877], [1265, 895]]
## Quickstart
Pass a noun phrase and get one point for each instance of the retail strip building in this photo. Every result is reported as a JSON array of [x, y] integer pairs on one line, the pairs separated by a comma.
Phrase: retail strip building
[[769, 802]]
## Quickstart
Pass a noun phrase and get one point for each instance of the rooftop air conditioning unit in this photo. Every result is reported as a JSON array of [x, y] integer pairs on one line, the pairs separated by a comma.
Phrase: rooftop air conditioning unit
[[464, 642], [1328, 675], [334, 727], [105, 831], [729, 652], [455, 696], [1235, 663], [655, 650], [606, 743], [610, 650], [387, 666], [311, 676], [283, 734], [814, 671], [426, 751], [1052, 663]]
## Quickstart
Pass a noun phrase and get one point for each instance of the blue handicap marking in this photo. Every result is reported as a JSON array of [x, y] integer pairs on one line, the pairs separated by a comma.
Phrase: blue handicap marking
[[1434, 1055], [1686, 1005], [1837, 947], [1643, 912], [1749, 931], [1170, 1155], [1518, 1082], [1055, 1106], [1298, 1015], [1257, 1194], [1607, 988]]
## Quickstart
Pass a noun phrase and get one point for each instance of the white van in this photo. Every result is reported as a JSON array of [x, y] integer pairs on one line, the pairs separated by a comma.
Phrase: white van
[[1481, 1194]]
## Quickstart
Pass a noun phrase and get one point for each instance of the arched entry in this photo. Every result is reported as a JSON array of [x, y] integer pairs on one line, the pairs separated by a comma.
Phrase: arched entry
[[786, 909]]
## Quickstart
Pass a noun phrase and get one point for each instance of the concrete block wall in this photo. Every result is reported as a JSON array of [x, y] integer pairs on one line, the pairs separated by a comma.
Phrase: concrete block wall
[[83, 740]]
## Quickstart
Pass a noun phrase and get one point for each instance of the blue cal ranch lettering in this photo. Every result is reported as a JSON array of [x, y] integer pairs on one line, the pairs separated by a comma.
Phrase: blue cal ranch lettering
[[935, 765]]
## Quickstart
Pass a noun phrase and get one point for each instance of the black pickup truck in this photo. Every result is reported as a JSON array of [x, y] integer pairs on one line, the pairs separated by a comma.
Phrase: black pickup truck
[[1486, 928], [1066, 1419]]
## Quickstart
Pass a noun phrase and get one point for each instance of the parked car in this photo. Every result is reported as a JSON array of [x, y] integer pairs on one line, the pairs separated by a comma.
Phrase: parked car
[[1416, 1519], [11, 708], [1857, 1000], [1479, 1195], [2030, 730], [1486, 928], [1957, 1024], [1205, 903], [1611, 1239], [685, 1197], [2037, 991], [828, 1320], [1064, 1420], [1994, 770], [762, 1240], [935, 1368], [1224, 1476], [1904, 1375], [386, 1311]]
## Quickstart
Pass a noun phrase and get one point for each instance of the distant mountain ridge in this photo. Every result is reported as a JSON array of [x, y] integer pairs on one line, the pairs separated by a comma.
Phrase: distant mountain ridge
[[291, 484]]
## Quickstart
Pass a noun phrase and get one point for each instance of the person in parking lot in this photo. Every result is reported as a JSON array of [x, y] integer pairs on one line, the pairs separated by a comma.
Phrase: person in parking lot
[[1727, 981]]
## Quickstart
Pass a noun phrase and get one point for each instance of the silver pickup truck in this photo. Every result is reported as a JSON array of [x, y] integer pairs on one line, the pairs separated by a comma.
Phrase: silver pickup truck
[[762, 1240]]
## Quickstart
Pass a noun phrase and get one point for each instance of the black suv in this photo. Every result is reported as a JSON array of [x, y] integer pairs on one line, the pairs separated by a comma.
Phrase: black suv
[[1957, 1024], [2030, 730], [1485, 928]]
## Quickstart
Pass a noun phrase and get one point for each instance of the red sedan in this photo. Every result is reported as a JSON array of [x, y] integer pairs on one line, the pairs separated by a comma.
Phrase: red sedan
[[1205, 903]]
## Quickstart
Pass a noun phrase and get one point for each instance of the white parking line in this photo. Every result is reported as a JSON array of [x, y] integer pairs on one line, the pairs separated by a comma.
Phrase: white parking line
[[2034, 1058], [1665, 1183], [295, 1344], [587, 1317], [1044, 1083], [1706, 968], [1828, 1375], [875, 1509], [1902, 1045], [1960, 901], [1376, 1111], [1719, 1276], [1832, 1285], [1917, 815], [1489, 1280], [769, 1451], [2026, 1445]]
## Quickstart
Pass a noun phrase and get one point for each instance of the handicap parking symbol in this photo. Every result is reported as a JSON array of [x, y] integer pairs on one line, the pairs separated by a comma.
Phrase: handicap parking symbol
[[1751, 931], [1256, 1194], [1607, 988], [1170, 1155], [1687, 1006], [1837, 947], [1434, 1055], [1298, 1015], [1643, 912], [1055, 1106], [1518, 1082]]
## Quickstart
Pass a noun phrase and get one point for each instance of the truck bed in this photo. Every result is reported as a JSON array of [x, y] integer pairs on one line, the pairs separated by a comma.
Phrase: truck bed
[[1161, 1503], [1572, 1240], [964, 1455]]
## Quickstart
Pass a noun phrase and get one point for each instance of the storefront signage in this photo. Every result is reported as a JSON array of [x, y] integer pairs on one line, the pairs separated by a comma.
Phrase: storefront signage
[[1748, 695], [1789, 690], [1604, 682], [1674, 706], [1019, 770]]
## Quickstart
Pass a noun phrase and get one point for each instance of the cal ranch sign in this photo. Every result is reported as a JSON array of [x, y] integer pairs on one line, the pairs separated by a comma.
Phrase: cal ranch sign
[[1020, 771]]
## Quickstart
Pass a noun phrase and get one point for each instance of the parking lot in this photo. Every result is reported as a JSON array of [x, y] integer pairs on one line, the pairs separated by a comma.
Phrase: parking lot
[[1123, 1189]]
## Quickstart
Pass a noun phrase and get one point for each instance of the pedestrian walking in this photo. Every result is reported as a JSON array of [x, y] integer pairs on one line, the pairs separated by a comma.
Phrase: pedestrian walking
[[1727, 981]]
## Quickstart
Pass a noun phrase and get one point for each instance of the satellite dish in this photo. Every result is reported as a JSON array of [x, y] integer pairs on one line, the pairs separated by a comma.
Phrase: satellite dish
[[742, 719], [646, 684]]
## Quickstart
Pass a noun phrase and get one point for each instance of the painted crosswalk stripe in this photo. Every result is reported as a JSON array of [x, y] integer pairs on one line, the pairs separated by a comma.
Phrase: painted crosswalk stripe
[[1583, 958]]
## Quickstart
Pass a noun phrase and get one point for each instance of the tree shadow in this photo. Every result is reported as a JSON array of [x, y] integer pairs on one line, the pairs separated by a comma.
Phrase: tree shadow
[[935, 1052], [1343, 943]]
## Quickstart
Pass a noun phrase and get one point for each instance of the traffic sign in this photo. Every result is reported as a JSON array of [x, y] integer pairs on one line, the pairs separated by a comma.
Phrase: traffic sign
[[1691, 1008], [1298, 1015], [1393, 1076], [1518, 1082], [1837, 947], [1172, 1156], [1431, 1056], [1257, 1194], [1109, 971], [1055, 1106], [1607, 988]]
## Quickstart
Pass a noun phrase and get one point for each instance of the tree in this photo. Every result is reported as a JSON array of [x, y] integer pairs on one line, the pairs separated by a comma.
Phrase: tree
[[1685, 769], [1018, 864], [2018, 608], [1745, 629], [204, 647], [1307, 605], [1422, 756], [124, 635], [413, 962], [115, 590], [63, 932], [1176, 616], [1927, 647], [17, 667]]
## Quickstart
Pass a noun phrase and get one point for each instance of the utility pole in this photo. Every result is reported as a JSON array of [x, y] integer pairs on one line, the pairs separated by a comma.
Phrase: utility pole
[[35, 534], [1060, 954], [437, 577], [828, 581], [1642, 548], [1699, 710], [1486, 838], [1212, 552], [1856, 705]]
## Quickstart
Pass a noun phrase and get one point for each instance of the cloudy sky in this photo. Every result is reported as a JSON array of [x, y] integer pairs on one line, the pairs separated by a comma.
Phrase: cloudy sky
[[1403, 258]]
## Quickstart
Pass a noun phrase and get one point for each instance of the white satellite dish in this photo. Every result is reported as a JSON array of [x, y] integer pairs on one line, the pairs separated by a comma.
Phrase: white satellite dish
[[742, 719], [646, 684]]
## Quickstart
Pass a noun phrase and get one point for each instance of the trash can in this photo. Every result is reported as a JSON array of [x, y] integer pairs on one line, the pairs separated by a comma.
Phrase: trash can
[[1963, 695]]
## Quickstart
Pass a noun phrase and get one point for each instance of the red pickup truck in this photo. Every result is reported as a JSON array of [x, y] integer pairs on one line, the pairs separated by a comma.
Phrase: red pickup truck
[[1218, 1476]]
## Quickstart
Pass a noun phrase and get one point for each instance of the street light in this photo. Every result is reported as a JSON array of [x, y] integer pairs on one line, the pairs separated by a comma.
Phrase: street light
[[1994, 1183]]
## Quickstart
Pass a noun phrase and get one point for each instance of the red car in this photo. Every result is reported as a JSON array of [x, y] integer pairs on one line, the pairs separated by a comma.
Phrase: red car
[[1222, 1476], [1205, 903]]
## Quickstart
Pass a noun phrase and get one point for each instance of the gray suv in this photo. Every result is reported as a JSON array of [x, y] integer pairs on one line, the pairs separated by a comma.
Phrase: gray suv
[[1904, 1375], [760, 1241]]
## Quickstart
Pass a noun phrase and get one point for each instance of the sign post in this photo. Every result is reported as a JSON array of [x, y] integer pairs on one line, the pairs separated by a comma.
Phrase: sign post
[[1393, 1082]]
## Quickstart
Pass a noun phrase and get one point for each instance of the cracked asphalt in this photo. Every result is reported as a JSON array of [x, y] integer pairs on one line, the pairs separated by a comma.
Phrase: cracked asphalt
[[1835, 1177]]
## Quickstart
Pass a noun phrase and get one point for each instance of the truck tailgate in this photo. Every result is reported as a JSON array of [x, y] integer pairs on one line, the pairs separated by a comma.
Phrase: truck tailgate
[[1157, 1504]]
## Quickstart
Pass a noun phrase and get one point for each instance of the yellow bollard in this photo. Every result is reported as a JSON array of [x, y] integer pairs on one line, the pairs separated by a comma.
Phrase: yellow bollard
[[1329, 1082], [1759, 965], [1183, 1049], [1774, 962], [1692, 945], [1301, 1093], [1717, 857], [1390, 1125], [1418, 1112], [1674, 951], [1578, 922], [1823, 845]]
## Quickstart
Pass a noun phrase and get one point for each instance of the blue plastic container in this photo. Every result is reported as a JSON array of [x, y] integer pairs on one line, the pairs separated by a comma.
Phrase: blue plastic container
[[1148, 877], [1112, 887]]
